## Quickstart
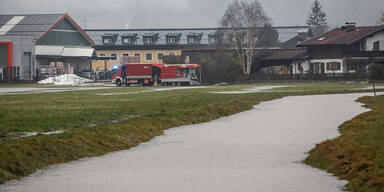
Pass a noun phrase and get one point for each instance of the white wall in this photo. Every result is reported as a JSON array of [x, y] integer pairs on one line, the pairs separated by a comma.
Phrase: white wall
[[304, 65], [377, 37]]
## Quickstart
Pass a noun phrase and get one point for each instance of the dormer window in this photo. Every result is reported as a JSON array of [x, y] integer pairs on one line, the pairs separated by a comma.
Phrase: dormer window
[[129, 39], [173, 38], [212, 38], [150, 38], [109, 39], [194, 38]]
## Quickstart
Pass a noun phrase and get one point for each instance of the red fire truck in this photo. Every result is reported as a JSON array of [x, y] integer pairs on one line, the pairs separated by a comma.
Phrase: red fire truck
[[150, 74], [141, 74], [180, 74]]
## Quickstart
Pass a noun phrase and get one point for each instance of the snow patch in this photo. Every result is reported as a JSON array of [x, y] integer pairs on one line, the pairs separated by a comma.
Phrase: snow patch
[[68, 79]]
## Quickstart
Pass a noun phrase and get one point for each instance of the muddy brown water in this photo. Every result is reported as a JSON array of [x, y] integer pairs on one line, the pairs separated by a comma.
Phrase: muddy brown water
[[257, 150]]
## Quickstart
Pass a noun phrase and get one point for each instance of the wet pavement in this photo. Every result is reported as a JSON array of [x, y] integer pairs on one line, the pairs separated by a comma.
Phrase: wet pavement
[[257, 150]]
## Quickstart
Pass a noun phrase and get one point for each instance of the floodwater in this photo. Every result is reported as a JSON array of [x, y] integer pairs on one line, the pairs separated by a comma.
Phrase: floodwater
[[251, 90], [257, 150]]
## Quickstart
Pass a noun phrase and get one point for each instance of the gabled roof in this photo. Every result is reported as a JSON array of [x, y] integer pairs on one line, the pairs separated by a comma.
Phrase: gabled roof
[[37, 25], [342, 36]]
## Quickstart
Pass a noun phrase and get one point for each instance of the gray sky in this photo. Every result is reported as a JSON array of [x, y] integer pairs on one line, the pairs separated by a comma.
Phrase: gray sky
[[190, 13]]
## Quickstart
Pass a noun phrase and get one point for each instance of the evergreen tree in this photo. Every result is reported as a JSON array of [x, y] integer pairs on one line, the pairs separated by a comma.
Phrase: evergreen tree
[[317, 19]]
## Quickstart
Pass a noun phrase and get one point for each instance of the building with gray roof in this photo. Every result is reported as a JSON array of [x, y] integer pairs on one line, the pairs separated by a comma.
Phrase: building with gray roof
[[34, 45]]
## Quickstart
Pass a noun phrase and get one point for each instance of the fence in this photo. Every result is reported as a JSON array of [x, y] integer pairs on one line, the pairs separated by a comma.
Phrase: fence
[[311, 77]]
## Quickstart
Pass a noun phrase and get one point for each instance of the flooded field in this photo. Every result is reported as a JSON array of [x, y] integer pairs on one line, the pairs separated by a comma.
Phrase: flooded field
[[257, 150]]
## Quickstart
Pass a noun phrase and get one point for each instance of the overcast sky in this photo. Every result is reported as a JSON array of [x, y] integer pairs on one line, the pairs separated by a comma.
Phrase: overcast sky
[[190, 13]]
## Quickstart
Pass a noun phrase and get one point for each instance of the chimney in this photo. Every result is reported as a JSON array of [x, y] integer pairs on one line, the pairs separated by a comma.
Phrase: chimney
[[349, 27]]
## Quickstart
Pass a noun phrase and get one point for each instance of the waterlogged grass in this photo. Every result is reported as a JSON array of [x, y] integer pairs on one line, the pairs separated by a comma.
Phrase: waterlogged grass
[[83, 115], [358, 155]]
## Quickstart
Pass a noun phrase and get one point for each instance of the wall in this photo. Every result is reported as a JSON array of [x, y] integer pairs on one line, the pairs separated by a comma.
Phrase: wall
[[100, 65], [377, 37], [22, 44]]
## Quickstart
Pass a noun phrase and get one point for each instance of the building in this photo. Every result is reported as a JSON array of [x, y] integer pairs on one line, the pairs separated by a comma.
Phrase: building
[[36, 45], [347, 49], [341, 51], [151, 45]]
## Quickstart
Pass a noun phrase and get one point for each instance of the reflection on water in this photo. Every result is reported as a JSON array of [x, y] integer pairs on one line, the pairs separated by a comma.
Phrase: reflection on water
[[258, 150]]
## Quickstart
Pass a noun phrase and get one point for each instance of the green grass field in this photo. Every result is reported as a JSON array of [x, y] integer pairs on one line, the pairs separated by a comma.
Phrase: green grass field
[[96, 122], [358, 155]]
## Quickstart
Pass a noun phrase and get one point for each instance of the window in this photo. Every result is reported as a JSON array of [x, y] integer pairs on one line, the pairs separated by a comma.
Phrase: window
[[172, 53], [376, 46], [171, 40], [102, 55], [125, 54], [351, 66], [127, 40], [114, 56], [160, 56], [212, 39], [107, 40], [333, 66], [148, 40], [192, 39], [148, 56], [137, 54]]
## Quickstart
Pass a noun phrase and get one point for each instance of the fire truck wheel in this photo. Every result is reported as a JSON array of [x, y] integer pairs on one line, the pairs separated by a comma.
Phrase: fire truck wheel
[[118, 82]]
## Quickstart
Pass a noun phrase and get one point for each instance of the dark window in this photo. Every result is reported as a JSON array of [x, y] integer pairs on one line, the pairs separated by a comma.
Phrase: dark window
[[193, 39], [148, 56], [137, 54], [212, 39], [351, 66], [171, 40], [125, 55], [148, 40], [114, 56], [173, 53], [102, 55], [333, 66], [107, 40], [160, 56], [127, 40], [376, 46]]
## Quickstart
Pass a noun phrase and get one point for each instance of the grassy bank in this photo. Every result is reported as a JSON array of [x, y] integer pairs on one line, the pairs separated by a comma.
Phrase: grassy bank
[[96, 122], [358, 155]]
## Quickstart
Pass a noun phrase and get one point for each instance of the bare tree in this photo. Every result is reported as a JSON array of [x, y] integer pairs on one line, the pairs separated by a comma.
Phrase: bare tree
[[381, 20], [244, 19], [317, 19]]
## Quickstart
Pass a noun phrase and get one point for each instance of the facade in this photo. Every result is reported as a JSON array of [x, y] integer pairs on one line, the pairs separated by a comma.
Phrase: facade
[[152, 44], [38, 45]]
